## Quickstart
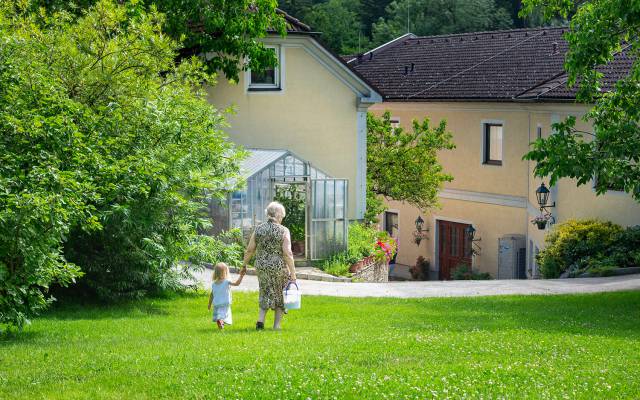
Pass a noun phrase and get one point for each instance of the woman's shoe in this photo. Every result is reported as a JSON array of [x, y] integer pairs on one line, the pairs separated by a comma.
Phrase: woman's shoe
[[259, 326]]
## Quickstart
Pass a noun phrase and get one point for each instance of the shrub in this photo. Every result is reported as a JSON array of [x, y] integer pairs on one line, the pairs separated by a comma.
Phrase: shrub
[[463, 272], [106, 152], [572, 246], [420, 271], [361, 242]]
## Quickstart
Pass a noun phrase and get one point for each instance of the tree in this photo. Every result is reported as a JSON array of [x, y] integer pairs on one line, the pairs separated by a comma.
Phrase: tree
[[340, 25], [108, 150], [434, 17], [599, 32], [226, 31], [404, 165]]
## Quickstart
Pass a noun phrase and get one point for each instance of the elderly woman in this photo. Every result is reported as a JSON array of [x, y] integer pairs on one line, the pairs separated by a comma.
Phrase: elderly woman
[[271, 243]]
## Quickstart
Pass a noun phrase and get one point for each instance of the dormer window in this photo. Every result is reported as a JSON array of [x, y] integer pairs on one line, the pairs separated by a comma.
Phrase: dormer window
[[269, 78]]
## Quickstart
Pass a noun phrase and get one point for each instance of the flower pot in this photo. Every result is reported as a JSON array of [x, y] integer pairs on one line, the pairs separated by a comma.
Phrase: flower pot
[[541, 224]]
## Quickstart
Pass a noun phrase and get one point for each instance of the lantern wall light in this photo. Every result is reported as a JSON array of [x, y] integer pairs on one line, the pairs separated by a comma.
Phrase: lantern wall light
[[542, 195], [420, 232], [475, 248]]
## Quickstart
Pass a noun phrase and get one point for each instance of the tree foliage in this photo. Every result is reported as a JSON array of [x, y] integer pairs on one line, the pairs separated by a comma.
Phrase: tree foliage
[[225, 31], [435, 17], [106, 154], [403, 165], [611, 153], [340, 24]]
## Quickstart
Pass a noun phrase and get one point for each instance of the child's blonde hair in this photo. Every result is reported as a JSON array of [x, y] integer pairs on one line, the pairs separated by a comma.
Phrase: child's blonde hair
[[220, 272]]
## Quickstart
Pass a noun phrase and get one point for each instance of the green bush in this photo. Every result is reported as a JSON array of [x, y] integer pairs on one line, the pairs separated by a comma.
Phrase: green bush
[[361, 242], [463, 272], [574, 246], [106, 152]]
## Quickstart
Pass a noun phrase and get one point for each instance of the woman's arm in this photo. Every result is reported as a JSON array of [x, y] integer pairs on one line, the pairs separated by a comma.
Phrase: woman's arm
[[250, 251], [287, 254]]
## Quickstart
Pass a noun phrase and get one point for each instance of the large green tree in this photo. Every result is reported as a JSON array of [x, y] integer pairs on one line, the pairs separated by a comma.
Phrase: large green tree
[[107, 153], [434, 17], [340, 24], [226, 31], [403, 165], [600, 31]]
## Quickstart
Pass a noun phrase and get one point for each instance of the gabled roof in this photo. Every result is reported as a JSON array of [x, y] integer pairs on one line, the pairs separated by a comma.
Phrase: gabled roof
[[294, 24], [259, 159], [506, 65]]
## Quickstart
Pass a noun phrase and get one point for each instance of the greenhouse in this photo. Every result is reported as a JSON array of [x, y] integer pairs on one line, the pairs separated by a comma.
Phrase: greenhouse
[[316, 203]]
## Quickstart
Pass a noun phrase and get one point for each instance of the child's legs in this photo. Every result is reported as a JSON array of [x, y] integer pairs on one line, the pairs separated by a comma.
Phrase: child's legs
[[262, 315]]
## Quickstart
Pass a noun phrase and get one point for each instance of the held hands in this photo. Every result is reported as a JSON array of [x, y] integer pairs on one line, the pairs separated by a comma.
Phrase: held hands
[[243, 271]]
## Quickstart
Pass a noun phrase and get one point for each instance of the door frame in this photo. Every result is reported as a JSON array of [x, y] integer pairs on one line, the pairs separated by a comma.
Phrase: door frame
[[436, 241]]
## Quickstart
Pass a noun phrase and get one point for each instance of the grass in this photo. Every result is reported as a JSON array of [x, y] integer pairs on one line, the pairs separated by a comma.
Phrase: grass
[[579, 346]]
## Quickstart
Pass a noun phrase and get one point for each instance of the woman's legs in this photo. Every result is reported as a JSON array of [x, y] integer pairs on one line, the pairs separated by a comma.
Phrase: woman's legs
[[262, 315], [277, 319]]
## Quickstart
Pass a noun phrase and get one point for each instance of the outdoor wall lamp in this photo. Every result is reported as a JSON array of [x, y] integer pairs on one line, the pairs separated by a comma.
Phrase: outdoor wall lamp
[[420, 232], [470, 231], [542, 194]]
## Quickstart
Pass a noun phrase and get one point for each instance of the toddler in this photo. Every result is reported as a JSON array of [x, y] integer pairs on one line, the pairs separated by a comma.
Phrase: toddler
[[221, 294]]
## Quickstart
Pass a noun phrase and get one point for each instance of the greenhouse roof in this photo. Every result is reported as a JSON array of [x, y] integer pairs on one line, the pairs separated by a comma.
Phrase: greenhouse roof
[[259, 159]]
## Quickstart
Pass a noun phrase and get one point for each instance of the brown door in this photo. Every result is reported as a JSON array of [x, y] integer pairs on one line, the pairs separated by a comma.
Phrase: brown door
[[454, 248]]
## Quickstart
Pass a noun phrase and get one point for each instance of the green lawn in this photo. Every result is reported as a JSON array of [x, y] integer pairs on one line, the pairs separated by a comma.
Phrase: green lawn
[[584, 346]]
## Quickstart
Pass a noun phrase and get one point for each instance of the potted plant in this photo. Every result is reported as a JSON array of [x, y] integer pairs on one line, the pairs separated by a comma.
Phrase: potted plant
[[384, 249], [540, 221]]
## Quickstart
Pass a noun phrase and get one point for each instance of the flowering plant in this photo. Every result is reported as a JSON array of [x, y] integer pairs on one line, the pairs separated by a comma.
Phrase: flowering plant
[[384, 248], [539, 219]]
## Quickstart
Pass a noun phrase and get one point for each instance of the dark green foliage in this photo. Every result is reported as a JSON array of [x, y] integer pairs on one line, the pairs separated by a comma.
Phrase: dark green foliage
[[224, 30], [463, 272], [340, 24], [403, 165], [435, 17], [611, 151], [107, 151], [420, 271], [362, 239], [292, 197], [596, 247]]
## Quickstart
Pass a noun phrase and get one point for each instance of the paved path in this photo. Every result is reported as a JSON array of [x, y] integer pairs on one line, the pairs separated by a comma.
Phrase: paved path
[[415, 289]]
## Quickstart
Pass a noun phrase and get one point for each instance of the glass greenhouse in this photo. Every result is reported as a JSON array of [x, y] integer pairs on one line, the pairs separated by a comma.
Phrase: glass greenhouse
[[322, 200]]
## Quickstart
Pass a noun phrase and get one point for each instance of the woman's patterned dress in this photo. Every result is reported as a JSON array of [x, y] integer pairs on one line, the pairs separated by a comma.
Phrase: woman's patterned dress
[[270, 267]]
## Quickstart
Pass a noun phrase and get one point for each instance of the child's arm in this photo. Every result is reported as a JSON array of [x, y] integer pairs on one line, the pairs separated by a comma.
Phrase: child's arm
[[210, 300], [242, 272]]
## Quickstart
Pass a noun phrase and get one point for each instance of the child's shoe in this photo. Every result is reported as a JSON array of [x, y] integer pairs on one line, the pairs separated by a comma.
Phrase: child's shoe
[[220, 324]]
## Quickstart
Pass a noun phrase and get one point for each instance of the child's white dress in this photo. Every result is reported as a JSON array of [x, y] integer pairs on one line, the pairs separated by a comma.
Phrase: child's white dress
[[222, 301]]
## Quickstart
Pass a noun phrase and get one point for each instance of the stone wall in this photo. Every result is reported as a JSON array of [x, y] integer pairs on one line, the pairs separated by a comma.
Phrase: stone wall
[[375, 272]]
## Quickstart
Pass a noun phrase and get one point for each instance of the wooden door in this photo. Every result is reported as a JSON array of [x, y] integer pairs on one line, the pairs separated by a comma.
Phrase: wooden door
[[454, 247]]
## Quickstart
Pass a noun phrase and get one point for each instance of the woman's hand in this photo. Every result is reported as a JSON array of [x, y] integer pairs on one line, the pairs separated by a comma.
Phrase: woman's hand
[[243, 271]]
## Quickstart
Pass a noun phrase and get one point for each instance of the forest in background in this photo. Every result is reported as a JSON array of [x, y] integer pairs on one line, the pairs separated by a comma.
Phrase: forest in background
[[355, 26]]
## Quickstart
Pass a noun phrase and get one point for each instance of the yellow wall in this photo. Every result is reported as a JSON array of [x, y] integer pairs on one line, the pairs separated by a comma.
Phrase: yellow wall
[[513, 181], [314, 117]]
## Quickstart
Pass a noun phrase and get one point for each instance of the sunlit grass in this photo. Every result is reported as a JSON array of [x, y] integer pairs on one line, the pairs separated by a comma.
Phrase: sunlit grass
[[585, 346]]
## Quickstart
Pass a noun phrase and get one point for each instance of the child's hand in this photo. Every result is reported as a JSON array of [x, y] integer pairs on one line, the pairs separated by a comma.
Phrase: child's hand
[[243, 271], [209, 307]]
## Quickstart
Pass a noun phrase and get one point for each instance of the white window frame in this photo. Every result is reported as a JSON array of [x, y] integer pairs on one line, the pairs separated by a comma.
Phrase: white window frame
[[277, 85], [483, 141]]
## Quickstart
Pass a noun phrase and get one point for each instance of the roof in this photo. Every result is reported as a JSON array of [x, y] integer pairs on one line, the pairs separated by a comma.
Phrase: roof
[[518, 64], [258, 160]]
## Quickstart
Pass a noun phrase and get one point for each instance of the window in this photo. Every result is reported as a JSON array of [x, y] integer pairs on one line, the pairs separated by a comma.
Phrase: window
[[269, 79], [539, 132], [493, 144], [612, 187]]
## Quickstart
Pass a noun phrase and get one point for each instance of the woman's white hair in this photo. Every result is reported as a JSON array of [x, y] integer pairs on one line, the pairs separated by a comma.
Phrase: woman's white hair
[[275, 210]]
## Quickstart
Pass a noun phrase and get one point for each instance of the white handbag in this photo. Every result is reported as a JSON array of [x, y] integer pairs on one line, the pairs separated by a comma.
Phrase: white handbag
[[292, 297]]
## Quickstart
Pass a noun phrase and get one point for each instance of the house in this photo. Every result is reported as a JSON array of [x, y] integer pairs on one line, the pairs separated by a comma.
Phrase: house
[[498, 92], [304, 123]]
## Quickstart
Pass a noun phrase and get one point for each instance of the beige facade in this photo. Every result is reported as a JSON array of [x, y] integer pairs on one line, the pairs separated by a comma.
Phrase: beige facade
[[497, 200], [318, 113]]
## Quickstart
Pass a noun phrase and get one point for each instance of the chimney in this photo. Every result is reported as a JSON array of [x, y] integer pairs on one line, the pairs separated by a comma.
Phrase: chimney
[[406, 69], [412, 66]]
